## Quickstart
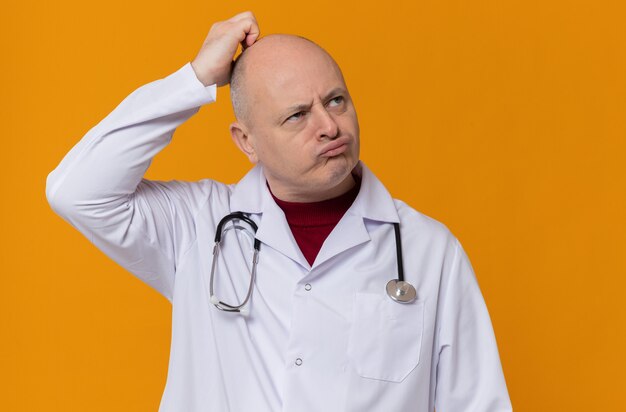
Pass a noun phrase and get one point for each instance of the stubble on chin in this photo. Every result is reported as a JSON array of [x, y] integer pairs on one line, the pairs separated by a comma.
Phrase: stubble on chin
[[339, 169]]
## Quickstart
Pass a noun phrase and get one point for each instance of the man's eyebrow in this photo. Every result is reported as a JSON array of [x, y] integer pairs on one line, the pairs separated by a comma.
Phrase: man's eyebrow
[[305, 106], [336, 90], [295, 109]]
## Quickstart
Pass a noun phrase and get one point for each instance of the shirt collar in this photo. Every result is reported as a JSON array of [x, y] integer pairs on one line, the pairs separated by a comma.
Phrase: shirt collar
[[251, 195]]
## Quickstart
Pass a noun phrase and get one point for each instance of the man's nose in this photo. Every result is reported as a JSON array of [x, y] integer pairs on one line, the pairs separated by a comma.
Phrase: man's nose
[[326, 124]]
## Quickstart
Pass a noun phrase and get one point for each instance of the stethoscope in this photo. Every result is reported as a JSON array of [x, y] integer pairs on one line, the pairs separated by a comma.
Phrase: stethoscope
[[397, 289]]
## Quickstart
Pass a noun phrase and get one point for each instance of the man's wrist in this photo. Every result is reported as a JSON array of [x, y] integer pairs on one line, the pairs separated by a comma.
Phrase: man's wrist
[[202, 75]]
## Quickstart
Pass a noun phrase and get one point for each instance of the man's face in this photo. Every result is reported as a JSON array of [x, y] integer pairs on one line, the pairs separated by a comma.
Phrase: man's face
[[303, 126]]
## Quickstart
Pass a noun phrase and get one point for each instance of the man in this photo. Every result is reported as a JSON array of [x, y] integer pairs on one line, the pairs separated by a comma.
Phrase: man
[[319, 332]]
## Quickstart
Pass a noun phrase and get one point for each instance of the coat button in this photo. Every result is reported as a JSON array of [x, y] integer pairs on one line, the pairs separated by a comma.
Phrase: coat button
[[307, 286], [298, 362]]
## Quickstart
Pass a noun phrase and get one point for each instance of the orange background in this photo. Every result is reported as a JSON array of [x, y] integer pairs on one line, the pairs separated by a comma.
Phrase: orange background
[[504, 120]]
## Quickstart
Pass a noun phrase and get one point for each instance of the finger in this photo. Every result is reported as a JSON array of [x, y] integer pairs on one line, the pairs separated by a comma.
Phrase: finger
[[242, 15], [252, 34]]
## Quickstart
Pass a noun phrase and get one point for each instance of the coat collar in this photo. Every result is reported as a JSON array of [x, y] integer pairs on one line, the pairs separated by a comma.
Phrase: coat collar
[[373, 202]]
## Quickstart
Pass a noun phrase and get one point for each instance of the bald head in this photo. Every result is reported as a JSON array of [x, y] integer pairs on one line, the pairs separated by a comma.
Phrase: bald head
[[264, 62]]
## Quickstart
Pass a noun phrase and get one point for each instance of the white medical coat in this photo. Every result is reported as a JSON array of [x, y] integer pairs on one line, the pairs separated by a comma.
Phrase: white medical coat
[[320, 338]]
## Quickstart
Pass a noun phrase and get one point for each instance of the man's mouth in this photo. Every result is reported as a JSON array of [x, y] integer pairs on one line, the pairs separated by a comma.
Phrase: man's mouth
[[334, 148]]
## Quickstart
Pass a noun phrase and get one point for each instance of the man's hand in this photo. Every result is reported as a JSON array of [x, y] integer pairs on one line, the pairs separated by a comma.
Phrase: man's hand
[[214, 60]]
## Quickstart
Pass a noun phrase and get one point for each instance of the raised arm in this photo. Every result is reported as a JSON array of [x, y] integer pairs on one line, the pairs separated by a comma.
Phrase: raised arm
[[99, 188]]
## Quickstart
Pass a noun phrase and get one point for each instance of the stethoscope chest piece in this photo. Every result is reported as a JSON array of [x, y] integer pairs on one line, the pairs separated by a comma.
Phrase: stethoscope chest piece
[[401, 291]]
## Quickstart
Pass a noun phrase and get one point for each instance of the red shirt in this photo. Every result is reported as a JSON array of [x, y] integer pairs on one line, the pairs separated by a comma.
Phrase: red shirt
[[311, 223]]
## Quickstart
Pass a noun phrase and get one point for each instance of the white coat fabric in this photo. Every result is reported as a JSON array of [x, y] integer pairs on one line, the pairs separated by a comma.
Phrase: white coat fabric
[[320, 338]]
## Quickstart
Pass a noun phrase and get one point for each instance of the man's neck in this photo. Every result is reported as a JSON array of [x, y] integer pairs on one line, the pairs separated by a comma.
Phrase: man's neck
[[294, 196]]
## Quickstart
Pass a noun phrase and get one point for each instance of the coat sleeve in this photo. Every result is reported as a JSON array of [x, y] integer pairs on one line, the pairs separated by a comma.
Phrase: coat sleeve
[[469, 372], [99, 188]]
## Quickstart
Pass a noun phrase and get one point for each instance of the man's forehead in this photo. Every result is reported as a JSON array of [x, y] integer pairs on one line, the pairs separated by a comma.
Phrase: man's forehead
[[297, 90], [292, 70]]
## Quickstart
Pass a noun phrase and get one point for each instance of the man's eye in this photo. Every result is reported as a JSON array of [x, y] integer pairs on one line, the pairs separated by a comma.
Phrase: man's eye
[[337, 100], [295, 116]]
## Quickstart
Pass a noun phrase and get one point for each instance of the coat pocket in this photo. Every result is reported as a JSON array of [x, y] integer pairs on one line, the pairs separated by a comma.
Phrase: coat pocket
[[386, 336]]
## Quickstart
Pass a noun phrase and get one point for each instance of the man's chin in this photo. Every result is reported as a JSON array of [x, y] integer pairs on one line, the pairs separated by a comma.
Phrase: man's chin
[[339, 175]]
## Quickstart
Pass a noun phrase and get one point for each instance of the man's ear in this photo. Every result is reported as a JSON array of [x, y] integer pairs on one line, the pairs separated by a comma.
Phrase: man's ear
[[240, 136]]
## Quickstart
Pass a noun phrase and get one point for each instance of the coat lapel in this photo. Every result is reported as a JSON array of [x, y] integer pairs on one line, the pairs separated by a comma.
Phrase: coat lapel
[[373, 202], [251, 195]]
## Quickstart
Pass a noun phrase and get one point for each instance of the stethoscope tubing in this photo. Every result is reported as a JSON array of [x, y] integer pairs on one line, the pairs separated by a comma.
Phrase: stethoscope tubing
[[397, 289], [216, 251], [396, 227]]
